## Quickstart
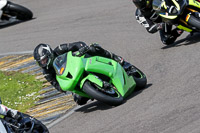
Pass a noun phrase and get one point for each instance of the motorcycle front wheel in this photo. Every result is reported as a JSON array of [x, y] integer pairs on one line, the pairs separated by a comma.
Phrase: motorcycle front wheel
[[18, 11], [193, 21], [139, 77], [109, 96], [39, 127]]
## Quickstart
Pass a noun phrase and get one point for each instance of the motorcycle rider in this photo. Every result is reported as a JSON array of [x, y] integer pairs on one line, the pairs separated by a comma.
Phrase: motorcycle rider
[[44, 56], [146, 16], [5, 111]]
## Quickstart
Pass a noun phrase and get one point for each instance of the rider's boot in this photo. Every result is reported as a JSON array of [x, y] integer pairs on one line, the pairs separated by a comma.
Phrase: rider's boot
[[79, 99], [168, 39]]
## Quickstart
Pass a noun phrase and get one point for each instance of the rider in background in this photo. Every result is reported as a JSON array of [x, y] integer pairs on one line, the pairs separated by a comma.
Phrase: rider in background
[[44, 56], [5, 111], [146, 16]]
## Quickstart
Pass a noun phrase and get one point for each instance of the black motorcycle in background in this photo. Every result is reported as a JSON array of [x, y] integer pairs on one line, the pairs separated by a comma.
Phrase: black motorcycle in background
[[10, 12], [26, 124]]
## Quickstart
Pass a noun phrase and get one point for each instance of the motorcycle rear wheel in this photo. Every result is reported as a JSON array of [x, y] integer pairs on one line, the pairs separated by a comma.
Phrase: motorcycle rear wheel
[[18, 11], [96, 92]]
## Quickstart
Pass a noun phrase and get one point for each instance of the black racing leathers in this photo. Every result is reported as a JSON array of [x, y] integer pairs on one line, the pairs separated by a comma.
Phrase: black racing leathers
[[153, 23], [92, 50], [149, 19]]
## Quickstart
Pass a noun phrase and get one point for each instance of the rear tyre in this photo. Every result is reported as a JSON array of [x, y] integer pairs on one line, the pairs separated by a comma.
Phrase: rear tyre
[[18, 11], [109, 96], [139, 77]]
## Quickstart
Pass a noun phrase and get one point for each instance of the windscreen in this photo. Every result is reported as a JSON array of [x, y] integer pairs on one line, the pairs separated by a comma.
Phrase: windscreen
[[59, 64]]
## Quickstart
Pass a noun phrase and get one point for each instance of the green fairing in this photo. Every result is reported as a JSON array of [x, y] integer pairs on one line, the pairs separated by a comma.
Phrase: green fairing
[[75, 67], [72, 78], [113, 70], [93, 79]]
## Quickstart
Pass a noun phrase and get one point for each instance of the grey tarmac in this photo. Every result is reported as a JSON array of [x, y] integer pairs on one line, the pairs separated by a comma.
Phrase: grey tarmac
[[171, 101]]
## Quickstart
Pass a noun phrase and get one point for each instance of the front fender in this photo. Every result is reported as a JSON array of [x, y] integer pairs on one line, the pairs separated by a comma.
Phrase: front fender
[[92, 78]]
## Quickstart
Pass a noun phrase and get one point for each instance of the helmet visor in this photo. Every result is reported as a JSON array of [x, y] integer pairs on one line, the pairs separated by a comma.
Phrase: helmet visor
[[43, 62]]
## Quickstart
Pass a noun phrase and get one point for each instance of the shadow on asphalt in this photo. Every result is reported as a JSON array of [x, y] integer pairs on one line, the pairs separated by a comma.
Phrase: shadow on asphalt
[[13, 23], [93, 106], [96, 105], [190, 39], [137, 91]]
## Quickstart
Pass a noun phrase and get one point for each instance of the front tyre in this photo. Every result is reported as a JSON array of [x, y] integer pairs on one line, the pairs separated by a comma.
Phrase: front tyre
[[39, 127], [18, 11], [139, 77], [109, 96], [194, 22]]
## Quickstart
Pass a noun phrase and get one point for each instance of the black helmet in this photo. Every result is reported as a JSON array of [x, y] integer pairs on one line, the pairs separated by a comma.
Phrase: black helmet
[[140, 4], [43, 55]]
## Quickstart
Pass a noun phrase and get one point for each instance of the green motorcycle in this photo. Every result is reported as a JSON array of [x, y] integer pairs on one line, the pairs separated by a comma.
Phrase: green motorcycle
[[97, 77]]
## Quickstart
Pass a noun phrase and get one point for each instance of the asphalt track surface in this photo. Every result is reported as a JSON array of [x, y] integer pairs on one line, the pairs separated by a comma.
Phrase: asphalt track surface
[[171, 101]]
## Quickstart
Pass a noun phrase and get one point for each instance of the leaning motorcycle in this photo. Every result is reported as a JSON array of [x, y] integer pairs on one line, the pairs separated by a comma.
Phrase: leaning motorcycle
[[10, 11], [184, 14], [97, 77]]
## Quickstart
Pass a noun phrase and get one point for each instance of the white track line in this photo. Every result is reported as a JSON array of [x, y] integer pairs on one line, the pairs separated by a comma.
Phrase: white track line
[[62, 117], [13, 53]]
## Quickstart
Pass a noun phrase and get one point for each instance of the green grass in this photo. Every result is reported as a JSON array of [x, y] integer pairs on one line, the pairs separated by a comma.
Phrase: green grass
[[19, 91]]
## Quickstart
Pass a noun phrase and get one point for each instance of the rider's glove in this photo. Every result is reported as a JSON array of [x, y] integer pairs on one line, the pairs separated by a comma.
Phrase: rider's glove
[[83, 50], [96, 48], [15, 114]]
